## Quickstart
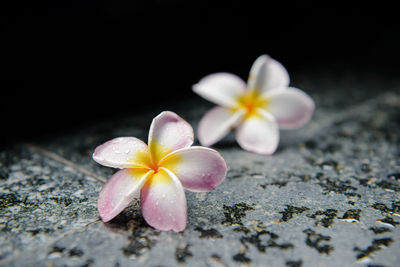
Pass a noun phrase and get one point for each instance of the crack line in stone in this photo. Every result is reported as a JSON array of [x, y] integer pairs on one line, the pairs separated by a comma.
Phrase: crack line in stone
[[65, 161]]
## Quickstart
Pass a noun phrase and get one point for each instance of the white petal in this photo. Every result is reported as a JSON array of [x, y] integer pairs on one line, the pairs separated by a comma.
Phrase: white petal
[[267, 74], [122, 152], [216, 123], [220, 88], [163, 202], [292, 108], [259, 134], [168, 132], [119, 191], [200, 169]]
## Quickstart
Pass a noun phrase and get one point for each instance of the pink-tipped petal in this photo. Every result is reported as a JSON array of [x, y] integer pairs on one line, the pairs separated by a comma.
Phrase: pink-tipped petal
[[121, 152], [163, 202], [220, 88], [216, 123], [168, 132], [259, 134], [119, 191], [292, 108], [267, 74], [200, 169]]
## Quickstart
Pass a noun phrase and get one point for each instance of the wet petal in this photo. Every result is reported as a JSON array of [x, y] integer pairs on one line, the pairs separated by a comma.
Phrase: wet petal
[[168, 132], [163, 202], [292, 108], [119, 191], [199, 169], [221, 88], [216, 123], [122, 152], [267, 74], [259, 133]]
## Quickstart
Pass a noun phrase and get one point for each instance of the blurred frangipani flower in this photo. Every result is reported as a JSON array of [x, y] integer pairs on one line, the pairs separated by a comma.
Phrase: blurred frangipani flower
[[158, 172], [257, 110]]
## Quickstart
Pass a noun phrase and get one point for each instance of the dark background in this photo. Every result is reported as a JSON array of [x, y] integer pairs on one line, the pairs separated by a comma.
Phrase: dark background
[[67, 63]]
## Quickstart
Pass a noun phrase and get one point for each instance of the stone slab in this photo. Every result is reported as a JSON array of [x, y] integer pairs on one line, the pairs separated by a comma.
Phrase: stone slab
[[330, 195]]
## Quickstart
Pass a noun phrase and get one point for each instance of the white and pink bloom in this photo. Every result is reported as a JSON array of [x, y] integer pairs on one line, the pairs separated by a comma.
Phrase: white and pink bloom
[[257, 109], [158, 172]]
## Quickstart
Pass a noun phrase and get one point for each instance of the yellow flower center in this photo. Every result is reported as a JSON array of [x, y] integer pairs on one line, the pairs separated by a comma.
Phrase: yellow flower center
[[154, 159], [251, 101]]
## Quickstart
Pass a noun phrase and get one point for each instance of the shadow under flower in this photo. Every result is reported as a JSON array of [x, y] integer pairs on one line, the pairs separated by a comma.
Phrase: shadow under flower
[[141, 236], [129, 219]]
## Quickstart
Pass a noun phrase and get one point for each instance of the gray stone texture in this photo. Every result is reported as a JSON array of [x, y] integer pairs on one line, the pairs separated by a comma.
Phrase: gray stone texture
[[330, 195]]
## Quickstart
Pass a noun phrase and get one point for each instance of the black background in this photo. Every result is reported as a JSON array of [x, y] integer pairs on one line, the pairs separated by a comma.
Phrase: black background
[[66, 63]]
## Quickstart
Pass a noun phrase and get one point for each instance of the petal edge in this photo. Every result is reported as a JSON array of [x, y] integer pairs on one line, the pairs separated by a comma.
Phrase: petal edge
[[121, 152], [163, 202], [220, 88], [119, 191], [217, 123], [268, 75], [259, 134], [199, 169], [168, 132], [292, 108]]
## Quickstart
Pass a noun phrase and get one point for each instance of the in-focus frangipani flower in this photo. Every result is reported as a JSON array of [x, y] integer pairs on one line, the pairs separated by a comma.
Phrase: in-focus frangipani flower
[[158, 172], [257, 109]]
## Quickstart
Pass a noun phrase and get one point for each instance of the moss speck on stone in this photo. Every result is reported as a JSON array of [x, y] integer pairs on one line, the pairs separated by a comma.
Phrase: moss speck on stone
[[241, 257], [234, 214], [376, 245], [314, 240], [208, 233], [327, 219], [182, 252], [289, 211]]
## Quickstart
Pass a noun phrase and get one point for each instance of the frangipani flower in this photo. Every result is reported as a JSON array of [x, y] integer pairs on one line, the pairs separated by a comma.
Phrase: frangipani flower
[[257, 109], [158, 172]]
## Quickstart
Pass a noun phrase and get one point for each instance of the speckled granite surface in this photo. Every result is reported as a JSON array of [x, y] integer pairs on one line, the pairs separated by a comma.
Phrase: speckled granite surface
[[330, 195]]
